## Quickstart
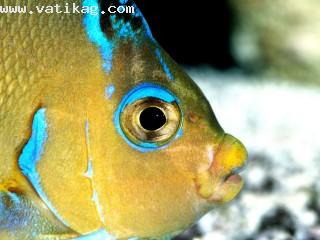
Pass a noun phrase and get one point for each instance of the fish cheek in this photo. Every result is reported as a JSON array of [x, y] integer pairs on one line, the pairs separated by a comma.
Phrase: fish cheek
[[61, 170], [144, 193], [140, 193], [157, 187]]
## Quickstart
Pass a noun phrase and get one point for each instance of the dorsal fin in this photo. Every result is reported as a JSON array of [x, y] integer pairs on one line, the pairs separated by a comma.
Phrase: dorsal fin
[[131, 23], [120, 19]]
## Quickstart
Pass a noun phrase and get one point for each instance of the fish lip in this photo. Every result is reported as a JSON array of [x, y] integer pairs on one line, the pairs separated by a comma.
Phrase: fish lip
[[237, 171], [221, 182]]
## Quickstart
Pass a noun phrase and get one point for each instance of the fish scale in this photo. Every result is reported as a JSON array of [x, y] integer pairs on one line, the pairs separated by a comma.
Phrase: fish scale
[[25, 66]]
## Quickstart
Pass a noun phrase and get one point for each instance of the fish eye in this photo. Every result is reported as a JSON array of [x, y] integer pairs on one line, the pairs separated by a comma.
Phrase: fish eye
[[149, 117], [152, 118]]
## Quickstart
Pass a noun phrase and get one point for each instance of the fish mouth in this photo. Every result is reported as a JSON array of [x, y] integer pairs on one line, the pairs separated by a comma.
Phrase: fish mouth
[[222, 181], [235, 175]]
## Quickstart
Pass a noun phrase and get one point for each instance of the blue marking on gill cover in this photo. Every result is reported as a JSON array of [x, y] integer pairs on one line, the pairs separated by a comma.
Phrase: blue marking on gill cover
[[95, 199], [141, 91], [31, 155], [89, 174], [96, 36], [164, 65], [98, 235]]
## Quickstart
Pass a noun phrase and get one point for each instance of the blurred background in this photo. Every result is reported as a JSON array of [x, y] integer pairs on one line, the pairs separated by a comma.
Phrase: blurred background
[[258, 63]]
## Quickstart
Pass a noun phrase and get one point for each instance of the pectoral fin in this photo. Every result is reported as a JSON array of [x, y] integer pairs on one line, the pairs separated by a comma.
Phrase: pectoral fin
[[23, 218]]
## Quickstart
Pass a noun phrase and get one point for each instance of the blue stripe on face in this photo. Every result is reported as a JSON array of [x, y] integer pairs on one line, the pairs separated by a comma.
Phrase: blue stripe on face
[[31, 155], [143, 91], [96, 36], [164, 65]]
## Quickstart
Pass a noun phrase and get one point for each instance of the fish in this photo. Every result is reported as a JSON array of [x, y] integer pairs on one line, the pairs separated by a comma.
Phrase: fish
[[102, 134]]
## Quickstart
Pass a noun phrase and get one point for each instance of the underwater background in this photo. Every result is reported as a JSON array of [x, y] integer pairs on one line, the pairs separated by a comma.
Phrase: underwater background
[[258, 63]]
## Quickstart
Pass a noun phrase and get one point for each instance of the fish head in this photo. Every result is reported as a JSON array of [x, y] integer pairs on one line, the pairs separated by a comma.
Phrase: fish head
[[166, 160], [172, 161]]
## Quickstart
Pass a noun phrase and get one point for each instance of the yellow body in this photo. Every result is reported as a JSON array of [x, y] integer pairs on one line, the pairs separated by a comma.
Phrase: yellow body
[[47, 61]]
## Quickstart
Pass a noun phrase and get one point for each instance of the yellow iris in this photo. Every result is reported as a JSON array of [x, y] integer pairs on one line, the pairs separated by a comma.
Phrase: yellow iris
[[151, 120]]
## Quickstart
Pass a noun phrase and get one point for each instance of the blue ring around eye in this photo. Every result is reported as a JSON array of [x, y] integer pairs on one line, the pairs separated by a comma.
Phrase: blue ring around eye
[[141, 91]]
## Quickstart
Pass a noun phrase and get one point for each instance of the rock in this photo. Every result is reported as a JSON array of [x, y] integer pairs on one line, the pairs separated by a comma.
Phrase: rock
[[279, 220]]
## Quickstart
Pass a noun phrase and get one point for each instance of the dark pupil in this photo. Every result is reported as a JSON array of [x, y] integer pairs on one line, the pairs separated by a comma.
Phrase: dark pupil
[[152, 118]]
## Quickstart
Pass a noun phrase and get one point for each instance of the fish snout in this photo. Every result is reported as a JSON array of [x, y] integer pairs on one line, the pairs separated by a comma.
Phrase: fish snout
[[222, 181]]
